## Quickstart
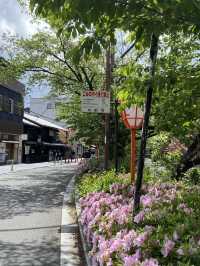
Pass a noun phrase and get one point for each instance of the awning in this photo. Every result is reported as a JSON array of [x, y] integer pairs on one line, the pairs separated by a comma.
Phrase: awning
[[10, 141], [28, 142], [55, 144], [45, 144]]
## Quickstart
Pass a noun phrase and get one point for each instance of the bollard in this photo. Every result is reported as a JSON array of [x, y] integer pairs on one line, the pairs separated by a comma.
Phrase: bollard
[[12, 165]]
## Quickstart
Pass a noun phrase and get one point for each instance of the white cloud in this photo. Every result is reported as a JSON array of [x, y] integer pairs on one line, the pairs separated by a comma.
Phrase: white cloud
[[15, 20]]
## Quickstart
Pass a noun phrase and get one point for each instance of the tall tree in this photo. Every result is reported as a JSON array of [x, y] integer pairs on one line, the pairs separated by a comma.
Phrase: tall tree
[[97, 21], [47, 58]]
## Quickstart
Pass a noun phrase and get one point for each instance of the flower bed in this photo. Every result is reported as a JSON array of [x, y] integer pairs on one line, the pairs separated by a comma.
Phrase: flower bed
[[166, 231]]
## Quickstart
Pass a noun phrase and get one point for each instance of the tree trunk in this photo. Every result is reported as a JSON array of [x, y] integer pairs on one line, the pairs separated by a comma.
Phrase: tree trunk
[[190, 158], [138, 184]]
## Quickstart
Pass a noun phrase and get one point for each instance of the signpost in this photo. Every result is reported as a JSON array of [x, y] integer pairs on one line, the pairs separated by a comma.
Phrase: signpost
[[98, 102], [95, 102]]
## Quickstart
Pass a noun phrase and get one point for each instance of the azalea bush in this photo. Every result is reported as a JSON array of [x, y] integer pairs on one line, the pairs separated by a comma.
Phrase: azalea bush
[[166, 231]]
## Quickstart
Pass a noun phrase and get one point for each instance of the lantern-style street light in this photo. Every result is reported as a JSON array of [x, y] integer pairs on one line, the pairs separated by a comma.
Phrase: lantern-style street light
[[133, 119]]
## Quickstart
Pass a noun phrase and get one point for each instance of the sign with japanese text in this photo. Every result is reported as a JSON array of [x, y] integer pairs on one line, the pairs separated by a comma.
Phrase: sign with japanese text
[[95, 102]]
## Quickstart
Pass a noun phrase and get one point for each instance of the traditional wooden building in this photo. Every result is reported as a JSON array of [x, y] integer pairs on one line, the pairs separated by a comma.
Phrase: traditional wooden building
[[44, 140], [11, 125]]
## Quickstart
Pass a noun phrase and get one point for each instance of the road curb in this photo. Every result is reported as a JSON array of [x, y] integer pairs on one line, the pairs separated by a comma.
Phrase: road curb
[[69, 251], [84, 243]]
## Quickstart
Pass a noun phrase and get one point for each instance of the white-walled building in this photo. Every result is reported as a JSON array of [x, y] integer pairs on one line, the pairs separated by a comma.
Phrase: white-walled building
[[46, 107]]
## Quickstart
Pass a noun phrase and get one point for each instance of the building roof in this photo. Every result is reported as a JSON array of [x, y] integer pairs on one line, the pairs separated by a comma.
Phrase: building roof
[[29, 123], [42, 122], [15, 85]]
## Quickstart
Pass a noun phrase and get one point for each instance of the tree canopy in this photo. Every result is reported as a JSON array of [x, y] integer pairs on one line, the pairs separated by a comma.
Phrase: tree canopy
[[97, 21], [176, 100], [47, 58]]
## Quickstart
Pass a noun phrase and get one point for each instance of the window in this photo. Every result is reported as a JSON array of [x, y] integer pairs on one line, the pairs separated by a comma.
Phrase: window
[[11, 105], [49, 106]]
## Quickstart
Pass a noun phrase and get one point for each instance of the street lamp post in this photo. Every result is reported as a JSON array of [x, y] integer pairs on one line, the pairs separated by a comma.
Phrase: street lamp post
[[133, 119]]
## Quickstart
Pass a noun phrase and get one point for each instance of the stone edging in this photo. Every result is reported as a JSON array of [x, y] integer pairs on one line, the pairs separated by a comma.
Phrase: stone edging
[[83, 167], [67, 240], [84, 243], [65, 258]]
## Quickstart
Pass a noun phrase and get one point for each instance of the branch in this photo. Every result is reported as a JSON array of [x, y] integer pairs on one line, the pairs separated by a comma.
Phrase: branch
[[139, 55], [45, 70], [65, 61], [87, 78]]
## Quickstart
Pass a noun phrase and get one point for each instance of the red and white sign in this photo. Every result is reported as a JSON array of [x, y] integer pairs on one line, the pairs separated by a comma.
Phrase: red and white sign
[[95, 102]]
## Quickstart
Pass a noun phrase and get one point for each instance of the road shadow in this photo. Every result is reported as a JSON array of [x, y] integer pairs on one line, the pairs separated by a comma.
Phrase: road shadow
[[41, 192], [45, 253]]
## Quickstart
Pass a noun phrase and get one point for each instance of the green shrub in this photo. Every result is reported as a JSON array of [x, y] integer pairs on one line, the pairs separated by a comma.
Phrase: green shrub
[[159, 154], [193, 175], [154, 172], [99, 182], [94, 163]]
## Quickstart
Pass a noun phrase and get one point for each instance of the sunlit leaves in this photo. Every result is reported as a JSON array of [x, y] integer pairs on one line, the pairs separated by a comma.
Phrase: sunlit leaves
[[102, 18]]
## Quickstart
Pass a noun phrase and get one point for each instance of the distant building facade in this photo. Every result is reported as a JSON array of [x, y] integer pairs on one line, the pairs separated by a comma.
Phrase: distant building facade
[[44, 107], [11, 124], [47, 108], [45, 141]]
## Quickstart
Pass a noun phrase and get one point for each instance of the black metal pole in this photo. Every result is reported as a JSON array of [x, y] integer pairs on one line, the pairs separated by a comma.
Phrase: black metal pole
[[107, 116], [138, 184], [116, 136]]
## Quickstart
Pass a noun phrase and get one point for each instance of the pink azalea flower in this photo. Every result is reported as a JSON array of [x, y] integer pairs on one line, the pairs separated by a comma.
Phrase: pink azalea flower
[[175, 236], [116, 245], [150, 262], [129, 239], [180, 252], [139, 217], [167, 247], [185, 208], [146, 200], [140, 239], [132, 260]]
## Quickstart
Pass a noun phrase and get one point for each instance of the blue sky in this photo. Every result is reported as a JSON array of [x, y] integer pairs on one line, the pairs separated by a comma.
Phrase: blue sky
[[15, 20]]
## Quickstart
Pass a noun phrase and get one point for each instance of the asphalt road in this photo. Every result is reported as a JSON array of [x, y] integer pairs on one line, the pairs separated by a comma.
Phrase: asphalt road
[[30, 216]]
